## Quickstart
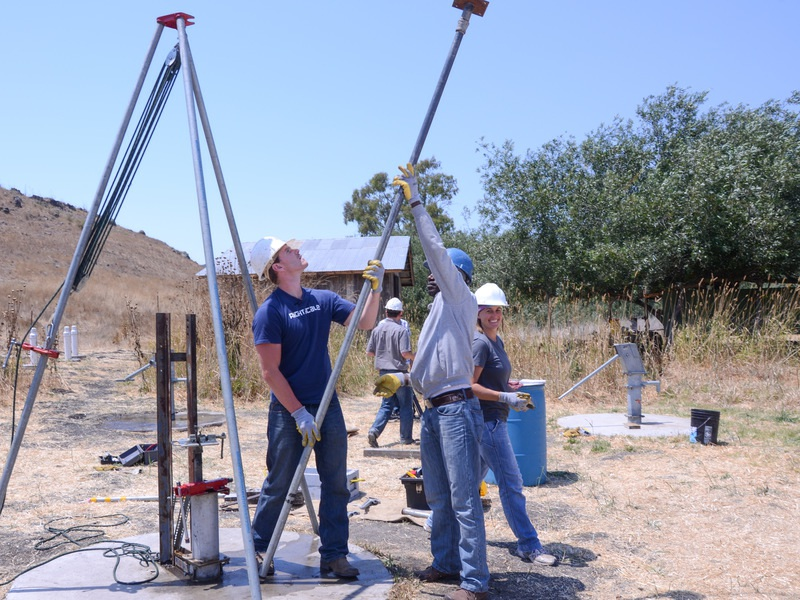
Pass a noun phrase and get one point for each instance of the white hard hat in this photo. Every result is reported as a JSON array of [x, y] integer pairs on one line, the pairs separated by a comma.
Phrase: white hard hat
[[264, 252], [490, 294], [394, 304]]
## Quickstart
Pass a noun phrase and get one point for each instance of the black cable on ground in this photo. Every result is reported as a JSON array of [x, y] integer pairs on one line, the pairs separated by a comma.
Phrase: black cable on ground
[[90, 531], [78, 533]]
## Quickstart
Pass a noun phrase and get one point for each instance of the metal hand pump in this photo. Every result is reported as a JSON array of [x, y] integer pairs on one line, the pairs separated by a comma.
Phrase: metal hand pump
[[468, 8]]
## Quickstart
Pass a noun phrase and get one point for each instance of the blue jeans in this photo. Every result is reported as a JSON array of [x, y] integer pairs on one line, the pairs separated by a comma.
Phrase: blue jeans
[[284, 450], [498, 455], [451, 465], [403, 399]]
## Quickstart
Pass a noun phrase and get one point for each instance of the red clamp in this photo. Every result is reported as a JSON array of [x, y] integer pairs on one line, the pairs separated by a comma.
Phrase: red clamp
[[201, 487], [44, 351], [172, 20]]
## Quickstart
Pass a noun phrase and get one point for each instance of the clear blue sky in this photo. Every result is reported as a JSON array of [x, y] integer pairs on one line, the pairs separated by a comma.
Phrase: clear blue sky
[[308, 99]]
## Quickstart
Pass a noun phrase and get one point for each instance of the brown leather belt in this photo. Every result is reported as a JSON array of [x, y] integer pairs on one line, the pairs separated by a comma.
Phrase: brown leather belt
[[450, 397]]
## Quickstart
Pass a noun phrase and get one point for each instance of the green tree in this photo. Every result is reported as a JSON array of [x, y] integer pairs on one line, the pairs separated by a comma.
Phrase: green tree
[[371, 204], [672, 197]]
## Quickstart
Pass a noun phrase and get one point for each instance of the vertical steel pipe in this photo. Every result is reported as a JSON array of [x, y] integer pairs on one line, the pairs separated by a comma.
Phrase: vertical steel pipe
[[216, 313]]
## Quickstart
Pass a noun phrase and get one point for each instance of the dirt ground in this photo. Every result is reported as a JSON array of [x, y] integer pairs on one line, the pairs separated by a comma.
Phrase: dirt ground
[[628, 518]]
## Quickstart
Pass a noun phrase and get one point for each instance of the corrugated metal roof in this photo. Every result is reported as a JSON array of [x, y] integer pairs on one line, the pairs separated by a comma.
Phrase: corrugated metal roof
[[345, 255], [337, 255]]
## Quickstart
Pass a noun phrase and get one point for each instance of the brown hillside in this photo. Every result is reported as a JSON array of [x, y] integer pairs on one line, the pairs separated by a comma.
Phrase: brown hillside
[[38, 237]]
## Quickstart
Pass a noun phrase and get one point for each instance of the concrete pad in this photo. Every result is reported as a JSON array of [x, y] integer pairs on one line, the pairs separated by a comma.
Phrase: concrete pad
[[91, 575], [615, 424]]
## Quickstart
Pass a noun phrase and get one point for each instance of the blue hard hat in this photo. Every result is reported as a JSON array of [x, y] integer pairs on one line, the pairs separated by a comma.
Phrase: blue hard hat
[[461, 260]]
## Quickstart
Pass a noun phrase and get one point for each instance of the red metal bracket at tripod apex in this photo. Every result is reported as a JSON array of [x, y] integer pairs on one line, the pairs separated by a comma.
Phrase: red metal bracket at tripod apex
[[201, 487], [478, 6], [45, 351], [172, 20]]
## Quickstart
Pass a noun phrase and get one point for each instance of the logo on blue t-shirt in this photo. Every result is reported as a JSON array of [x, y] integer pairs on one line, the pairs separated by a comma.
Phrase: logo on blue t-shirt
[[304, 311]]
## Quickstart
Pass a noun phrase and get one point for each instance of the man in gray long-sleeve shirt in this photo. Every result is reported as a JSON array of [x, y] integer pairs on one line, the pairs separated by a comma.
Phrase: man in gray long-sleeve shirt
[[452, 422]]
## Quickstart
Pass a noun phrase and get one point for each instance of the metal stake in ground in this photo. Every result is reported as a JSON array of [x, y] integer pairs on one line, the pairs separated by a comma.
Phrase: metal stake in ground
[[477, 7]]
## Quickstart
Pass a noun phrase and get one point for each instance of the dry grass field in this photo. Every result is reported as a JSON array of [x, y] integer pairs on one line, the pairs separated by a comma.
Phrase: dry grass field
[[629, 518]]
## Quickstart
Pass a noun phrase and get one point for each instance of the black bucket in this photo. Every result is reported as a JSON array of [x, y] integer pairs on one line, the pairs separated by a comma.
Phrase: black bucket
[[705, 424]]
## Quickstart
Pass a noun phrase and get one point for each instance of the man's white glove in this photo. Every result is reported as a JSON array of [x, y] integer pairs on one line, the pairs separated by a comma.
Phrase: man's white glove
[[387, 385], [374, 273], [519, 401], [306, 426], [408, 181]]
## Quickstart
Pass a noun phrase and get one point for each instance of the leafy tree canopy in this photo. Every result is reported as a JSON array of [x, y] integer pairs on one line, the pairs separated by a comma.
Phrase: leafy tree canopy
[[673, 196]]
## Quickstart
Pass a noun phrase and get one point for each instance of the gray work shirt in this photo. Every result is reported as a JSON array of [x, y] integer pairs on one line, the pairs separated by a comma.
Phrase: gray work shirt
[[387, 342]]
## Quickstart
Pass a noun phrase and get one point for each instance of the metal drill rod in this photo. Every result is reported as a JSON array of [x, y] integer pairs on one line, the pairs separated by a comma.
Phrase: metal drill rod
[[216, 313], [223, 192], [365, 289], [69, 280]]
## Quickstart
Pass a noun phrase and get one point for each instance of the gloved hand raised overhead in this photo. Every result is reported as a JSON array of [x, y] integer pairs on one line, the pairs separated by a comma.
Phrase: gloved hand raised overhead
[[387, 385], [519, 401], [306, 426], [374, 273], [408, 181]]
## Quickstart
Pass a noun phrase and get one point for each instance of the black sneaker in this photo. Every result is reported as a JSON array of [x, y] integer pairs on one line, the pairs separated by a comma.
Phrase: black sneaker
[[270, 569], [372, 438]]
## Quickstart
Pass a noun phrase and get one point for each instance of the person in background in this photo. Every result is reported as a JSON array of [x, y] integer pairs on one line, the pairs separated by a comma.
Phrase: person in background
[[390, 345], [490, 384], [290, 331], [452, 422]]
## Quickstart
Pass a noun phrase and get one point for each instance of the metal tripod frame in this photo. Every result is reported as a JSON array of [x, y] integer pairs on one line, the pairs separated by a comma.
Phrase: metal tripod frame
[[194, 104], [467, 7]]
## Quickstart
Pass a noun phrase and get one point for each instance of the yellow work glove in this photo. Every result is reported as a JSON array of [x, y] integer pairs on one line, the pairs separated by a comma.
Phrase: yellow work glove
[[387, 385], [519, 401], [374, 273], [408, 181], [306, 426]]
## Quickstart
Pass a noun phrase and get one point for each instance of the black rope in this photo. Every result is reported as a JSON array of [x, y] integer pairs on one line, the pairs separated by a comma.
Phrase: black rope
[[128, 166]]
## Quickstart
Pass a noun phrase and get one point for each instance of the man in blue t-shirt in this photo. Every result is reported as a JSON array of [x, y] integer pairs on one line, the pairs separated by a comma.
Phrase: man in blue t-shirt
[[290, 331]]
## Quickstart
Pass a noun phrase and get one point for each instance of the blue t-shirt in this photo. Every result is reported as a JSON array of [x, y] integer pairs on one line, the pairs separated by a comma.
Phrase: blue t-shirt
[[302, 326], [491, 355]]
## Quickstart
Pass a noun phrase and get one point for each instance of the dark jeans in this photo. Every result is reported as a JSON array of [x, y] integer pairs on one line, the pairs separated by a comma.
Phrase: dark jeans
[[284, 450]]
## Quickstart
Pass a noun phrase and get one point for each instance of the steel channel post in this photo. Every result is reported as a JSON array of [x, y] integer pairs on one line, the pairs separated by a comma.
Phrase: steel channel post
[[362, 299], [216, 312], [72, 272]]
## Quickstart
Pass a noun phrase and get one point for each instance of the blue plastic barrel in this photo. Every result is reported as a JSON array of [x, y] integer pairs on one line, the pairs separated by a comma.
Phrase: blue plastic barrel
[[528, 433]]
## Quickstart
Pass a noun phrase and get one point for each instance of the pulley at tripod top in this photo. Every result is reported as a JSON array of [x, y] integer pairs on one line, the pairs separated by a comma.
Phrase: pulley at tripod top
[[478, 6], [172, 20]]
